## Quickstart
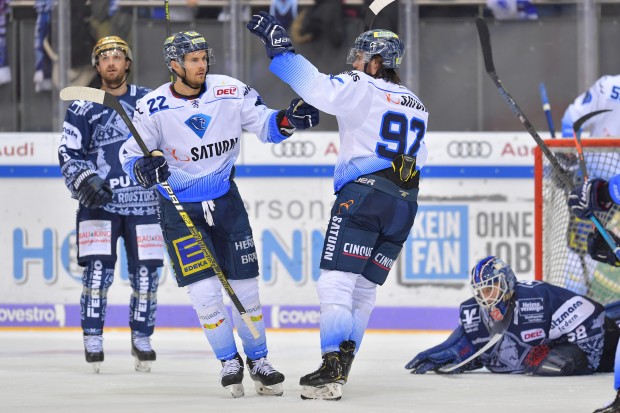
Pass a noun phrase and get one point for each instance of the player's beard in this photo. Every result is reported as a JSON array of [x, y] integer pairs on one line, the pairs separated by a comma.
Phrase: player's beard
[[113, 80], [197, 81]]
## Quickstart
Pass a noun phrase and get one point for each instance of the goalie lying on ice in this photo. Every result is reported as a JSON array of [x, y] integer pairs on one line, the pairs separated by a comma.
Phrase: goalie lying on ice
[[546, 330]]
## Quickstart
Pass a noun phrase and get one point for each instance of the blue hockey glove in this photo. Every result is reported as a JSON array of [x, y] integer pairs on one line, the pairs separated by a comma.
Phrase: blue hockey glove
[[452, 351], [302, 115], [600, 251], [584, 199], [271, 33], [151, 170], [94, 192]]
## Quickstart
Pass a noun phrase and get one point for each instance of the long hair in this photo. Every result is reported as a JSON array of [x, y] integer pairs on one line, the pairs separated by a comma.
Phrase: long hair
[[389, 75]]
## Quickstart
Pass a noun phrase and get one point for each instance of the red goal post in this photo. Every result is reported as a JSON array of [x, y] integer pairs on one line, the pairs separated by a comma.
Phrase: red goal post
[[560, 240]]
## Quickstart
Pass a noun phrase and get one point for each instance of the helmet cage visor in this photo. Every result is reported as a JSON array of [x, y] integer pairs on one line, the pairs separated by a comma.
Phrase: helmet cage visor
[[490, 292], [354, 54]]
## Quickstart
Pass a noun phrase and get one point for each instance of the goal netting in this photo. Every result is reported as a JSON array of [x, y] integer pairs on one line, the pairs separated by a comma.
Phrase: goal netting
[[561, 239]]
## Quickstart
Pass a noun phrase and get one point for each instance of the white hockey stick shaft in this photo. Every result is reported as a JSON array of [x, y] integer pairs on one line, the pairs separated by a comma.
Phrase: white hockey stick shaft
[[109, 100], [373, 10], [496, 337]]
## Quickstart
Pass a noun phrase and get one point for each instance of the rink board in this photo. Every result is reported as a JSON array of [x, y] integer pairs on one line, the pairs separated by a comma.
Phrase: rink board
[[476, 199]]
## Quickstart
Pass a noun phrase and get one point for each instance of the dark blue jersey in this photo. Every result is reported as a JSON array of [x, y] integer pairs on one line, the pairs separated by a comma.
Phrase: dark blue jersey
[[543, 314], [91, 139]]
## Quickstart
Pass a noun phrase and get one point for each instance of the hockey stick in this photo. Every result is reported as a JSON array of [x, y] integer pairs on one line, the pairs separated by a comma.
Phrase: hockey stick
[[447, 369], [167, 13], [546, 108], [104, 98], [485, 43], [373, 10], [577, 136]]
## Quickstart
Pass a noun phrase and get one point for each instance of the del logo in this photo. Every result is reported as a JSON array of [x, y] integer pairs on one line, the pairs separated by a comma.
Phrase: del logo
[[191, 258], [225, 91], [531, 335]]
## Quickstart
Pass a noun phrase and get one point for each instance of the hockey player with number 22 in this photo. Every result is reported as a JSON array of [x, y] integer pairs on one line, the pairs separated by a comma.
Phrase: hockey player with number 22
[[196, 123], [111, 206], [381, 125]]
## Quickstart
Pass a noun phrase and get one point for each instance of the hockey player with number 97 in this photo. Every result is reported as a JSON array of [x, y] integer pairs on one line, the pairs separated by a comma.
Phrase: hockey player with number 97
[[545, 330], [111, 206], [382, 126]]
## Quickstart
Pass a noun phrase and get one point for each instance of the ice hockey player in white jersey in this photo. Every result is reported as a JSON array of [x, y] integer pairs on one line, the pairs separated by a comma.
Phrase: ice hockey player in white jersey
[[381, 125], [546, 330], [603, 94], [111, 206], [196, 122]]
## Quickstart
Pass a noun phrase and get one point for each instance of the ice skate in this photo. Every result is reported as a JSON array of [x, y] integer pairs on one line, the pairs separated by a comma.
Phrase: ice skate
[[267, 380], [612, 407], [232, 375], [142, 353], [347, 354], [93, 351], [325, 382]]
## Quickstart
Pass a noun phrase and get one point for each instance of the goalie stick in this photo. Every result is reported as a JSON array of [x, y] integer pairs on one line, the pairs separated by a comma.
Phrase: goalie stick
[[104, 98], [373, 10], [485, 44], [494, 339]]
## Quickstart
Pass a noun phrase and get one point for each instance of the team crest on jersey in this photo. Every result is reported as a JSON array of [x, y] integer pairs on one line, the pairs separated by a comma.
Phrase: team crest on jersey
[[199, 124]]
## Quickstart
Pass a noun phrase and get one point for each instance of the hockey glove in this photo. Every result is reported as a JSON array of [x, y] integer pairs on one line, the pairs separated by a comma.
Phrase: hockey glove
[[588, 197], [600, 251], [94, 192], [271, 33], [452, 351], [151, 170], [302, 115]]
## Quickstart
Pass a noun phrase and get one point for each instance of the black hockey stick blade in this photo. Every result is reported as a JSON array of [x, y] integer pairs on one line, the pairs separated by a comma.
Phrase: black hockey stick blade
[[485, 44], [579, 122], [373, 11]]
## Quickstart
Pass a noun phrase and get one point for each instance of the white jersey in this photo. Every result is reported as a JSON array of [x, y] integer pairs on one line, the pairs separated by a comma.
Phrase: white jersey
[[377, 120], [604, 94], [200, 137]]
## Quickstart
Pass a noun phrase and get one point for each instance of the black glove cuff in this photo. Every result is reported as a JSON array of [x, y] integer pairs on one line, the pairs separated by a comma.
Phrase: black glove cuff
[[604, 197], [82, 179]]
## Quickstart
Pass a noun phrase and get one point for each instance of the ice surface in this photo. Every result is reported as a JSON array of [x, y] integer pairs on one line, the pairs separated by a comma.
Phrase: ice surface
[[45, 371]]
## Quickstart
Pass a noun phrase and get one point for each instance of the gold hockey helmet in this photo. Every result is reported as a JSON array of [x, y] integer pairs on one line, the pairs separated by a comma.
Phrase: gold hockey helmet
[[110, 43]]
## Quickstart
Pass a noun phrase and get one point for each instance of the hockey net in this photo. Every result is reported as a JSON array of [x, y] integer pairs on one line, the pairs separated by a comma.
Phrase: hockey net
[[561, 239]]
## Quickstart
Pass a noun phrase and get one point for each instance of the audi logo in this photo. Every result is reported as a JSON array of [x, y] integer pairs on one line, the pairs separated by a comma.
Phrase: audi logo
[[469, 149], [294, 149]]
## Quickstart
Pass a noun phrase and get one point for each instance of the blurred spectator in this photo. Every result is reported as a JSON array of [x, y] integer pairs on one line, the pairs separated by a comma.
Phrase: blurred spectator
[[513, 9], [324, 17], [5, 70], [284, 10]]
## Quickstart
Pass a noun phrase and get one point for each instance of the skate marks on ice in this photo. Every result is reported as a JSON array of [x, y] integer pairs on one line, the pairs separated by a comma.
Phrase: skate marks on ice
[[46, 371]]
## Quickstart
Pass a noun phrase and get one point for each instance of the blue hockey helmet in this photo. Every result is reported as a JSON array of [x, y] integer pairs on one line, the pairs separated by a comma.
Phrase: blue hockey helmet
[[378, 42], [182, 43], [493, 284]]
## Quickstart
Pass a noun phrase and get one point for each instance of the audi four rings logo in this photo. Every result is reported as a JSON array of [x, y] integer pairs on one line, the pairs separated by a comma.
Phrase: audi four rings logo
[[469, 149], [294, 149]]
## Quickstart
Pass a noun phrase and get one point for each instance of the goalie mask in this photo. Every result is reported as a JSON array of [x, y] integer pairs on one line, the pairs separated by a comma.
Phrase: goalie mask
[[378, 42], [493, 284], [107, 44], [182, 43]]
